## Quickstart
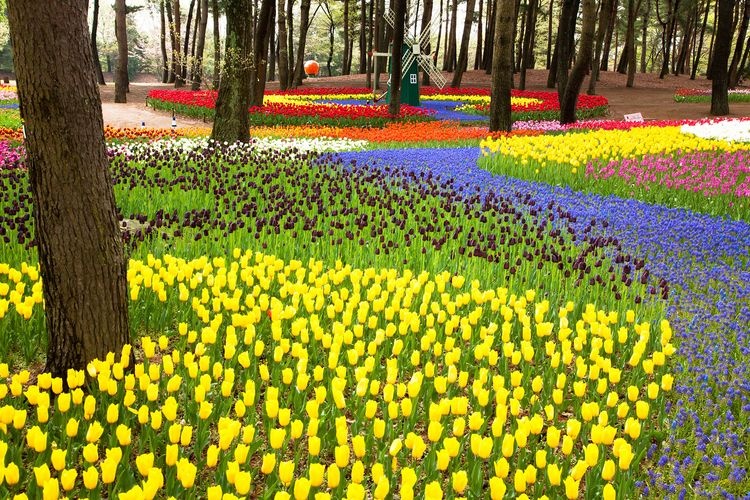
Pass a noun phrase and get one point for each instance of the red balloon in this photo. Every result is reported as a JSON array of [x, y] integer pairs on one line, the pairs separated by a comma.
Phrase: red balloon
[[311, 68]]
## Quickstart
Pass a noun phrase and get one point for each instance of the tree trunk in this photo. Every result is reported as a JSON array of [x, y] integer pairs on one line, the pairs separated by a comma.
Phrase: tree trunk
[[370, 48], [163, 43], [290, 39], [608, 37], [527, 58], [630, 43], [200, 47], [489, 38], [191, 62], [518, 38], [669, 27], [376, 43], [186, 45], [713, 38], [687, 33], [283, 50], [463, 57], [304, 25], [604, 11], [722, 47], [363, 49], [426, 18], [697, 58], [478, 52], [331, 35], [644, 35], [231, 122], [217, 44], [81, 255], [439, 37], [568, 93], [260, 53], [549, 34], [176, 17], [346, 55], [121, 74], [449, 63], [394, 107], [272, 45], [743, 64], [172, 43], [94, 48], [734, 75], [502, 67]]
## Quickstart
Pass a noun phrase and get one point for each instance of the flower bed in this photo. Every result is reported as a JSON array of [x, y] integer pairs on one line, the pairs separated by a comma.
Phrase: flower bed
[[704, 95], [654, 164], [298, 106]]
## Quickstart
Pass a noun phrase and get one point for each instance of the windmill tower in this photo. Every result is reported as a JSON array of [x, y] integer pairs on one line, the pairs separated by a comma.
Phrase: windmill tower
[[412, 58]]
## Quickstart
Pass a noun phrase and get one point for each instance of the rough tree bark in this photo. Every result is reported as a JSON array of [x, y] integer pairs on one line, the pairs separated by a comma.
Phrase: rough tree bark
[[463, 56], [502, 67], [394, 107], [346, 64], [81, 254], [200, 47], [94, 48], [283, 50], [121, 73], [489, 38], [232, 122], [568, 93], [273, 46], [722, 47], [304, 25]]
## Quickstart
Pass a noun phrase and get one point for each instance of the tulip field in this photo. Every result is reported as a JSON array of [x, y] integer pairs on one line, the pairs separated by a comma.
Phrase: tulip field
[[374, 308]]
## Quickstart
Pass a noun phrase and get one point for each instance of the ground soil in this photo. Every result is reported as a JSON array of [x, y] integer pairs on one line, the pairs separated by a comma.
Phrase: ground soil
[[651, 96]]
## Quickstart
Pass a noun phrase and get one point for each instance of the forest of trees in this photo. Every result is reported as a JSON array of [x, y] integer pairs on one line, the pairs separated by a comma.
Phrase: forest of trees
[[664, 36]]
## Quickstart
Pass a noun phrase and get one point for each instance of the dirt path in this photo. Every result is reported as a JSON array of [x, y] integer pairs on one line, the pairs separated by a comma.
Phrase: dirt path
[[650, 96]]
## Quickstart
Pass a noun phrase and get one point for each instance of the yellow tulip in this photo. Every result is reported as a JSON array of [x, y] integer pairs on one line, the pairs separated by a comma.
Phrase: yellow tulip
[[186, 471], [554, 473], [242, 482], [317, 474], [459, 481], [571, 488], [109, 471], [341, 454], [51, 490], [276, 437], [90, 478], [67, 478], [497, 488], [41, 474], [144, 462], [333, 476], [609, 492], [12, 474], [91, 453], [286, 472], [58, 459], [301, 488]]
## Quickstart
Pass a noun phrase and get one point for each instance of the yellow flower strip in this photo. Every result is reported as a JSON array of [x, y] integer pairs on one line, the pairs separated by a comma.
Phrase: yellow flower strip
[[576, 149], [366, 373]]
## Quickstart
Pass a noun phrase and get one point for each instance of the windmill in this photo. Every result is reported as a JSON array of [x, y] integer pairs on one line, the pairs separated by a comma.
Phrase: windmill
[[412, 58]]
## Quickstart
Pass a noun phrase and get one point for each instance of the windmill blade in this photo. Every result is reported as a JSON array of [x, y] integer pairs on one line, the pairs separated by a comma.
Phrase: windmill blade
[[406, 61], [390, 18], [424, 37], [437, 78]]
